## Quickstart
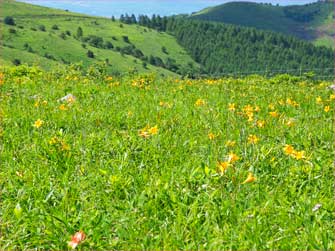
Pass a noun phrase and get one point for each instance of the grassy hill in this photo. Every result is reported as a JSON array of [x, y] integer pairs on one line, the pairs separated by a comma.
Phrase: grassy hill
[[312, 22], [49, 37]]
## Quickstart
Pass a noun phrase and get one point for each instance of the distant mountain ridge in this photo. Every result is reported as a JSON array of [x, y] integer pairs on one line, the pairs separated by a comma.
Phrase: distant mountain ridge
[[312, 22]]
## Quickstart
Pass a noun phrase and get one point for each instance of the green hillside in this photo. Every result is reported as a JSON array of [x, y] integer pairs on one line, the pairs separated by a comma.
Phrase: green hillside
[[312, 22], [49, 36]]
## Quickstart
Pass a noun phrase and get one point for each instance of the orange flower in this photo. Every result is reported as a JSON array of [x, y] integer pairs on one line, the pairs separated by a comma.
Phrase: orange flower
[[253, 139], [76, 239], [250, 178], [223, 166], [274, 114], [288, 149], [233, 158]]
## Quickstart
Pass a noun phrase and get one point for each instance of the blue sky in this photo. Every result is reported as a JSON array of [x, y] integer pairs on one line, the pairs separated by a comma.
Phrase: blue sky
[[163, 7]]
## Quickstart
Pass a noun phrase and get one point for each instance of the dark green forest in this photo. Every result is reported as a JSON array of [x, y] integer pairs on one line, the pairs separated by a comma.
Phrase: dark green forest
[[224, 48]]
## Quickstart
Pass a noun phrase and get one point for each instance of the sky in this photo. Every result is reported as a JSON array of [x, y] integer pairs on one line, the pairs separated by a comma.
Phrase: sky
[[108, 8]]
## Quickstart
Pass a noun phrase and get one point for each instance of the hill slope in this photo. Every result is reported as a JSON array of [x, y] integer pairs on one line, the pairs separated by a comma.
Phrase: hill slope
[[52, 35], [224, 48], [312, 22]]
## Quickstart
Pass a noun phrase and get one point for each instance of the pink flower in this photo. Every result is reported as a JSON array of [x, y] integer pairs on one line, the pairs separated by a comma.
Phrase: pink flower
[[76, 239]]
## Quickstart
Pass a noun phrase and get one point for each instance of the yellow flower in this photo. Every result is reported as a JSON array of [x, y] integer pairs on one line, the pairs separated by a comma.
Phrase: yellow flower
[[153, 130], [298, 155], [53, 140], [222, 167], [64, 146], [288, 149], [130, 114], [257, 109], [211, 136], [45, 102], [271, 106], [250, 178], [281, 102], [232, 157], [332, 96], [248, 108], [38, 123], [327, 108], [253, 139], [147, 131], [260, 123], [250, 116], [274, 114], [290, 123], [200, 102], [319, 100], [230, 143], [231, 107], [70, 99], [62, 107]]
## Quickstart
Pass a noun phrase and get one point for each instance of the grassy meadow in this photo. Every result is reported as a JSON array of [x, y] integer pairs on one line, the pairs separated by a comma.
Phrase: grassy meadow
[[142, 162]]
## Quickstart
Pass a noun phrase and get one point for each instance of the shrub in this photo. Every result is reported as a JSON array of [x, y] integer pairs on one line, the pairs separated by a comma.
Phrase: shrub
[[55, 27], [90, 54], [62, 36], [9, 20], [30, 49], [41, 27], [164, 50], [109, 45], [94, 41], [48, 56], [68, 33], [16, 61], [125, 39], [79, 32], [12, 31]]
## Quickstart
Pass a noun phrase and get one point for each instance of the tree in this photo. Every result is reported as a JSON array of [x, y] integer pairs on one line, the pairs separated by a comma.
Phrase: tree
[[90, 54], [9, 20]]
